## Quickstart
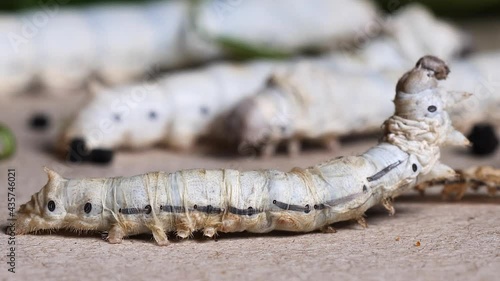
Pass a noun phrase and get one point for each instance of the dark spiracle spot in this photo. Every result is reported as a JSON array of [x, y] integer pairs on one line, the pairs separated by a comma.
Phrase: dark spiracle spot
[[195, 206], [153, 115], [51, 205], [87, 208], [39, 121], [432, 108], [204, 110], [414, 167], [250, 211], [307, 209], [147, 209], [117, 117], [120, 210], [274, 201], [316, 207], [484, 139]]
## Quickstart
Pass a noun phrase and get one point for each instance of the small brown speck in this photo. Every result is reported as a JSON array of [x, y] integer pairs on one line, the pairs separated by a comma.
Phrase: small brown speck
[[417, 244], [398, 238]]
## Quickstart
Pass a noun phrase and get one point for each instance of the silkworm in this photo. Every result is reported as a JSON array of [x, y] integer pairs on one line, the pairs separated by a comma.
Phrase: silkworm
[[191, 115], [296, 104], [63, 47], [174, 110], [474, 178], [226, 200]]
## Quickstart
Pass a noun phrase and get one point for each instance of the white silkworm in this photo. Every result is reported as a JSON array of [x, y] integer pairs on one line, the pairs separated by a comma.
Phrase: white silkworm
[[301, 200], [175, 110], [188, 96], [298, 102], [63, 47], [309, 102]]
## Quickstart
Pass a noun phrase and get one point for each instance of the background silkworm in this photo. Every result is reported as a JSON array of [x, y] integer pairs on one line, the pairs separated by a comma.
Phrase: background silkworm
[[62, 47], [192, 98], [308, 102], [175, 110]]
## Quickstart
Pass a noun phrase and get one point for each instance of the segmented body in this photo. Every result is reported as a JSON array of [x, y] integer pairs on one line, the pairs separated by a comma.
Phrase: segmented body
[[301, 200]]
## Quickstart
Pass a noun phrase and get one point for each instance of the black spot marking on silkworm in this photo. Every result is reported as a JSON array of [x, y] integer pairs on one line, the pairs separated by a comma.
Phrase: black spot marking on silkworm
[[319, 206], [432, 108], [172, 209], [51, 205], [87, 208], [148, 209], [365, 189], [130, 211], [195, 207], [307, 209], [290, 207], [414, 167], [250, 211], [204, 110], [153, 115], [117, 117], [384, 171]]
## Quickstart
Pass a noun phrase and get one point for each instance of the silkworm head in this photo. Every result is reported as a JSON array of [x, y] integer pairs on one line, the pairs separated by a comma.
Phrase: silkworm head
[[416, 81], [61, 203], [129, 116]]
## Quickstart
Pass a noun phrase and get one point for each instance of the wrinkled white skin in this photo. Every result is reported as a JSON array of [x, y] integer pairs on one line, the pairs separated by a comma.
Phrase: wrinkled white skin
[[185, 103], [301, 200], [16, 57]]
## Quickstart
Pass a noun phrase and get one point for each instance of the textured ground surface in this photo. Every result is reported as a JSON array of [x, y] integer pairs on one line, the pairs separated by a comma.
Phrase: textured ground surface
[[458, 240]]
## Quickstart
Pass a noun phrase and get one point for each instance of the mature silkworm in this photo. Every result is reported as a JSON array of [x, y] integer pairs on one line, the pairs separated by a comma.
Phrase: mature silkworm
[[301, 200], [62, 47], [175, 110], [474, 177], [193, 118]]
